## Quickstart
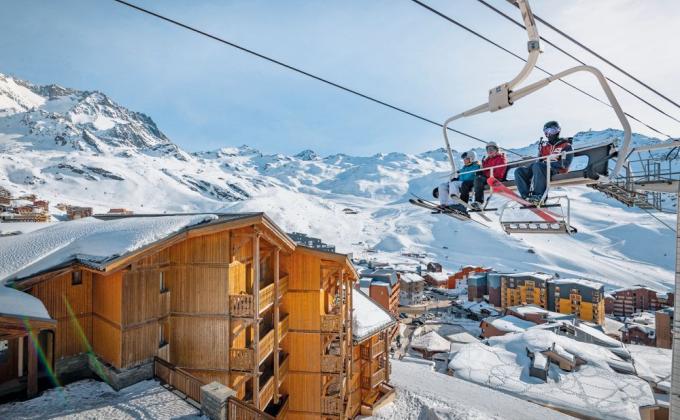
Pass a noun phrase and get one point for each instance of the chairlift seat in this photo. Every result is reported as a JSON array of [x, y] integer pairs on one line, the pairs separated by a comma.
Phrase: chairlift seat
[[598, 165]]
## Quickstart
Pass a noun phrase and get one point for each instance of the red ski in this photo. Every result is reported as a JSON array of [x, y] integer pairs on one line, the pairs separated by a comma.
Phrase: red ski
[[498, 188]]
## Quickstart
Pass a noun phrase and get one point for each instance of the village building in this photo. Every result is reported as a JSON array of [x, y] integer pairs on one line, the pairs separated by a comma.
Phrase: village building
[[430, 344], [477, 286], [493, 327], [76, 212], [630, 300], [493, 285], [524, 288], [536, 314], [579, 297], [412, 288], [664, 327], [120, 212], [382, 285], [5, 197], [437, 279], [194, 299], [640, 328], [310, 242], [434, 267]]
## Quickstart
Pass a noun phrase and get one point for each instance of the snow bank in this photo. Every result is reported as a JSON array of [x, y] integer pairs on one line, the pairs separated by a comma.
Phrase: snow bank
[[651, 363], [91, 241], [368, 317], [594, 389]]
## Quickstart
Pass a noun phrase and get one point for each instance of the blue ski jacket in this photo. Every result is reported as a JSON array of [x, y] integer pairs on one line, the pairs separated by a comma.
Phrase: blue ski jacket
[[466, 172]]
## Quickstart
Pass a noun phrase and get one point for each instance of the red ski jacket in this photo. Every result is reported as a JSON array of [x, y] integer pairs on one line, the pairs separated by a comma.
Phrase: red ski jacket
[[498, 173], [545, 149]]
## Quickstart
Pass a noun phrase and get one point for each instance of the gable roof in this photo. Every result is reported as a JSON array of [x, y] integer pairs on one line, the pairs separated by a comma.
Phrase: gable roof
[[100, 243]]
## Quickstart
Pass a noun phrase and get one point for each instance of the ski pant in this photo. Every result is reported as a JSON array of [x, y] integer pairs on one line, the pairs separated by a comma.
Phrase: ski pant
[[534, 174], [480, 183], [460, 189]]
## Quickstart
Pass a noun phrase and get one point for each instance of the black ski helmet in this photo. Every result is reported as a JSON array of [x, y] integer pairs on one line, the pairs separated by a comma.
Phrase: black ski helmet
[[553, 125], [435, 192]]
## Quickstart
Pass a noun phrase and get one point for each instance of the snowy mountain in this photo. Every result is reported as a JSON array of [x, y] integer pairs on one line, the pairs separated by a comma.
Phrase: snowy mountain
[[83, 148]]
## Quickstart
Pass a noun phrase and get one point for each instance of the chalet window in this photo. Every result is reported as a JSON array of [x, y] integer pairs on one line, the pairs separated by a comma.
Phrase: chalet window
[[161, 282], [76, 278], [4, 351]]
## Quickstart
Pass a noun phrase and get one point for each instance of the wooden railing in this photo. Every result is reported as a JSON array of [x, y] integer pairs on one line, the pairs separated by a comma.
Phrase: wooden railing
[[283, 327], [284, 409], [178, 378], [266, 297], [331, 323], [331, 363], [266, 346], [331, 405], [242, 306], [266, 393], [283, 285], [373, 350], [283, 369], [238, 410], [374, 380], [241, 359]]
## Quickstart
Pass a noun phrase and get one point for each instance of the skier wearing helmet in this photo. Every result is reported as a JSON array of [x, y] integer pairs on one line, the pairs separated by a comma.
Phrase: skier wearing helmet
[[494, 159], [535, 174], [462, 185]]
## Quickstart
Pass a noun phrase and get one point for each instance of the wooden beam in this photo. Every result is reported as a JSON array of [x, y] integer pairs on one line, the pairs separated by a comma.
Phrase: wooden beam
[[277, 317], [256, 325], [32, 383]]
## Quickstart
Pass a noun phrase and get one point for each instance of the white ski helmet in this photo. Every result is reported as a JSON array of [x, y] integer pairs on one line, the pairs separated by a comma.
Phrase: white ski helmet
[[492, 144], [471, 154]]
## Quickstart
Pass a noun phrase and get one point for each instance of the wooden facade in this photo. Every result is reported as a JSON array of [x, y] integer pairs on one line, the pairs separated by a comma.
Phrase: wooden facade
[[234, 301]]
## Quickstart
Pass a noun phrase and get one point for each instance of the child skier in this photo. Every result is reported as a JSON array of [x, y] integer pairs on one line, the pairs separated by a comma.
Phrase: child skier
[[461, 186]]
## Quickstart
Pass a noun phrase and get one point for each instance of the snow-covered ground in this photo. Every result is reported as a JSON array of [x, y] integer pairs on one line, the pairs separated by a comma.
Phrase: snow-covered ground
[[423, 393], [96, 400]]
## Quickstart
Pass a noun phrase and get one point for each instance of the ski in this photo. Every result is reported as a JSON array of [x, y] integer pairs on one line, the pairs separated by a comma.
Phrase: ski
[[471, 209], [437, 208], [498, 188]]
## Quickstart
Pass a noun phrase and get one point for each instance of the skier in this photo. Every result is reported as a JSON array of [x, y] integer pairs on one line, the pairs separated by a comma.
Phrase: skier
[[494, 157], [535, 173], [461, 186]]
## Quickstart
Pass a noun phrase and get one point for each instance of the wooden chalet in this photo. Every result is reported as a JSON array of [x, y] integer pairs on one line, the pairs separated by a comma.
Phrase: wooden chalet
[[230, 298]]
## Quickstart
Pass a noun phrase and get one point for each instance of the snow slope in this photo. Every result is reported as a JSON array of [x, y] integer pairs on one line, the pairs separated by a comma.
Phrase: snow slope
[[85, 149]]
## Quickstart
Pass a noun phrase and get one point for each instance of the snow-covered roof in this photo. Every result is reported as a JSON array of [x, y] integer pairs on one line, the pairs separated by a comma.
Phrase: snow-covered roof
[[20, 304], [477, 307], [592, 390], [603, 338], [511, 323], [542, 276], [583, 282], [462, 337], [411, 278], [431, 342], [90, 241], [437, 275], [652, 363], [368, 317]]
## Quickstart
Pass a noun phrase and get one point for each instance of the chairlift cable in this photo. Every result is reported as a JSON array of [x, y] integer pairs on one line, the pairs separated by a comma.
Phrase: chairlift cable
[[497, 45], [578, 60], [303, 72]]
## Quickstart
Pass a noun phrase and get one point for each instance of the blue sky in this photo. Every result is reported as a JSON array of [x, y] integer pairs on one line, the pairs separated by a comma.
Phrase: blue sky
[[204, 95]]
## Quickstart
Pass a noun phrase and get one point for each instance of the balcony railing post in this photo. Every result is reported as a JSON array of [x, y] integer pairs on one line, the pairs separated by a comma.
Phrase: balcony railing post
[[276, 325], [256, 314]]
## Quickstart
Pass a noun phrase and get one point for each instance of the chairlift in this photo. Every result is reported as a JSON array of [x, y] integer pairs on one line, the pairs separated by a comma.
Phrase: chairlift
[[599, 156]]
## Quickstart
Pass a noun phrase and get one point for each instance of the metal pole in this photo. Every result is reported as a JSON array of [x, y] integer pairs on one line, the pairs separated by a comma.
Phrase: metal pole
[[675, 367]]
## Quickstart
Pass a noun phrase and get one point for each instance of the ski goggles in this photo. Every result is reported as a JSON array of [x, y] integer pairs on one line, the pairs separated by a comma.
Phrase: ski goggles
[[551, 131]]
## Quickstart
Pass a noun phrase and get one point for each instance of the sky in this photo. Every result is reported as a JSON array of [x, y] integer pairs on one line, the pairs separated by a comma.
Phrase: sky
[[205, 95]]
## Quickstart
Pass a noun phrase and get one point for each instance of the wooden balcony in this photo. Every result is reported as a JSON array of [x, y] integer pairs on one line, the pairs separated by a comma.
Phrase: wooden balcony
[[242, 306], [283, 412], [241, 359], [283, 327], [368, 382], [266, 297], [266, 346], [266, 393], [283, 285], [372, 351], [283, 369], [331, 406], [331, 363], [331, 323]]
